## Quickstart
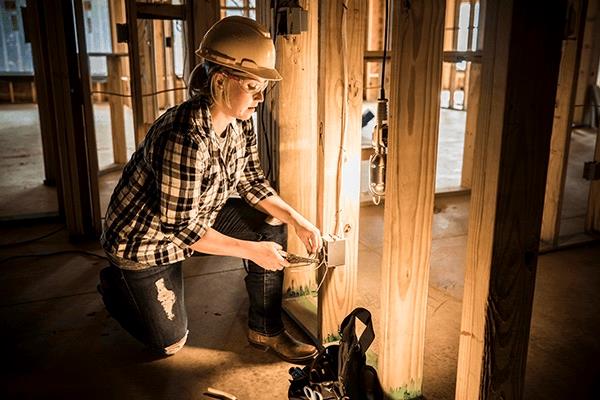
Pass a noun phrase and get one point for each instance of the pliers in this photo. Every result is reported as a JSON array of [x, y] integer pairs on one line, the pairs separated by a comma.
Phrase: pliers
[[294, 259]]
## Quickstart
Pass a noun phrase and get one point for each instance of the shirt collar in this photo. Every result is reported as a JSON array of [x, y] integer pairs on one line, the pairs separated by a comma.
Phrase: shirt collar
[[204, 120]]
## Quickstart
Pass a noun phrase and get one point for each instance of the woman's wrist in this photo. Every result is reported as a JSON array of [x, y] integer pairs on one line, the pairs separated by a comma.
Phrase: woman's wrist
[[244, 249]]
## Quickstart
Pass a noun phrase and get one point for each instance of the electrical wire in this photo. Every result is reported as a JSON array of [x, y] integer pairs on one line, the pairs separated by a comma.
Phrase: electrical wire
[[321, 264], [263, 107], [385, 46], [143, 94], [342, 151], [12, 244], [54, 253]]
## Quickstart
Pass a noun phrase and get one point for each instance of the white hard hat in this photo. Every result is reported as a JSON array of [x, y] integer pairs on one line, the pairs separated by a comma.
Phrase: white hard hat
[[241, 44]]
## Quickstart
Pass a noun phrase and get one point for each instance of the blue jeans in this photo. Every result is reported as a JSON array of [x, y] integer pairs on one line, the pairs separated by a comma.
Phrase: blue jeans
[[149, 303]]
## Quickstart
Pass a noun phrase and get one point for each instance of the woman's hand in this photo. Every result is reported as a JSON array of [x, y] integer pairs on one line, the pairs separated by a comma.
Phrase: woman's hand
[[308, 234], [268, 256]]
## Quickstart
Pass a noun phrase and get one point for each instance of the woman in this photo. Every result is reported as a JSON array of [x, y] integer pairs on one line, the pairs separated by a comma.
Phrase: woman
[[175, 198]]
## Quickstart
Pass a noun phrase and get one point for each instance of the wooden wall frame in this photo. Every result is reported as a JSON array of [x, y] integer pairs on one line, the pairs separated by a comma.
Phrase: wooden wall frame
[[561, 129], [416, 75], [511, 154], [68, 111]]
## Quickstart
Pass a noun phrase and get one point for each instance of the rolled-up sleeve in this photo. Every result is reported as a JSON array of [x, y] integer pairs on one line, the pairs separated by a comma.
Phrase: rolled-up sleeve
[[178, 164], [253, 185]]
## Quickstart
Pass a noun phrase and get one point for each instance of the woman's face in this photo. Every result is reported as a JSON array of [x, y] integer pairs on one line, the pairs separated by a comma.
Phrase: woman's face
[[244, 95]]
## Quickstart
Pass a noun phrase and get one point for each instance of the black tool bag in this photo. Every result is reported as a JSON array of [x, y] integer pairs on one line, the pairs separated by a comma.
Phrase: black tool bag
[[340, 371]]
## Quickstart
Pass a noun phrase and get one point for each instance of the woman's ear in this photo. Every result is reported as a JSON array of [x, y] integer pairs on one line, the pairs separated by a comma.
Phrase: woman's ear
[[220, 80]]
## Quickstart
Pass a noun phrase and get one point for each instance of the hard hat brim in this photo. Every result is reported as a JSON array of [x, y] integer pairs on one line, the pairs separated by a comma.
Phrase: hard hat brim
[[270, 74]]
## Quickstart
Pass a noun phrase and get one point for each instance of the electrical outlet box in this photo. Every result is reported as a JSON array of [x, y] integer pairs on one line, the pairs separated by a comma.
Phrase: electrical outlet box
[[122, 33], [291, 20], [335, 250]]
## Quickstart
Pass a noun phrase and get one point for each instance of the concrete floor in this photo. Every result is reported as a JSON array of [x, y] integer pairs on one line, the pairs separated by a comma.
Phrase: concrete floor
[[62, 344]]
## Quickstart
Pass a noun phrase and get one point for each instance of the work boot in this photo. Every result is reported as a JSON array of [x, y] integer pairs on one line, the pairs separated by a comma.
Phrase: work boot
[[284, 345]]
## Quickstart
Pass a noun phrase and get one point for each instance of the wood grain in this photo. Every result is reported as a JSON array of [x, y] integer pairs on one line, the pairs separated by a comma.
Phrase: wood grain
[[115, 103], [473, 94], [414, 116], [290, 118], [342, 34], [592, 220], [590, 56], [561, 129], [511, 154], [65, 64]]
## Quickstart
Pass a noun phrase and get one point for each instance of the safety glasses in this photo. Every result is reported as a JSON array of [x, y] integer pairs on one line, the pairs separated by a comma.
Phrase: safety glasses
[[249, 85]]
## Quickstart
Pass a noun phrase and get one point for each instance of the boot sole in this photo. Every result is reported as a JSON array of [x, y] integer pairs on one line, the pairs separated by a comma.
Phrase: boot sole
[[301, 360]]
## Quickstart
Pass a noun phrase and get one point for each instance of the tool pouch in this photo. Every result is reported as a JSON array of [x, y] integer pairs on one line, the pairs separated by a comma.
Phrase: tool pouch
[[340, 371]]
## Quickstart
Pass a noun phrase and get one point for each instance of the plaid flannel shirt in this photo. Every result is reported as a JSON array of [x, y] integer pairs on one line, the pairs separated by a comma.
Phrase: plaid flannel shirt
[[175, 184]]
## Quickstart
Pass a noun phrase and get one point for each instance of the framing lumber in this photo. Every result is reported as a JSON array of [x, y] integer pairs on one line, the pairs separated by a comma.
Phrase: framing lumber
[[449, 43], [143, 64], [511, 154], [158, 34], [561, 129], [135, 71], [156, 11], [417, 44], [472, 97], [590, 57], [473, 94], [201, 16], [170, 78], [374, 50], [116, 9], [33, 16], [117, 65], [471, 27], [289, 115], [592, 220], [453, 81], [342, 33], [458, 56], [115, 103], [68, 91], [147, 73]]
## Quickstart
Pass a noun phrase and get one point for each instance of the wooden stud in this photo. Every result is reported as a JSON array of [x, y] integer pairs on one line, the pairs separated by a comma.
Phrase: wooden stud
[[592, 220], [289, 117], [410, 185], [147, 60], [471, 24], [157, 11], [118, 68], [170, 78], [202, 14], [33, 93], [473, 93], [116, 10], [158, 39], [561, 130], [87, 162], [65, 64], [115, 103], [135, 71], [342, 30], [374, 51], [33, 25], [590, 57], [453, 71], [511, 154]]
